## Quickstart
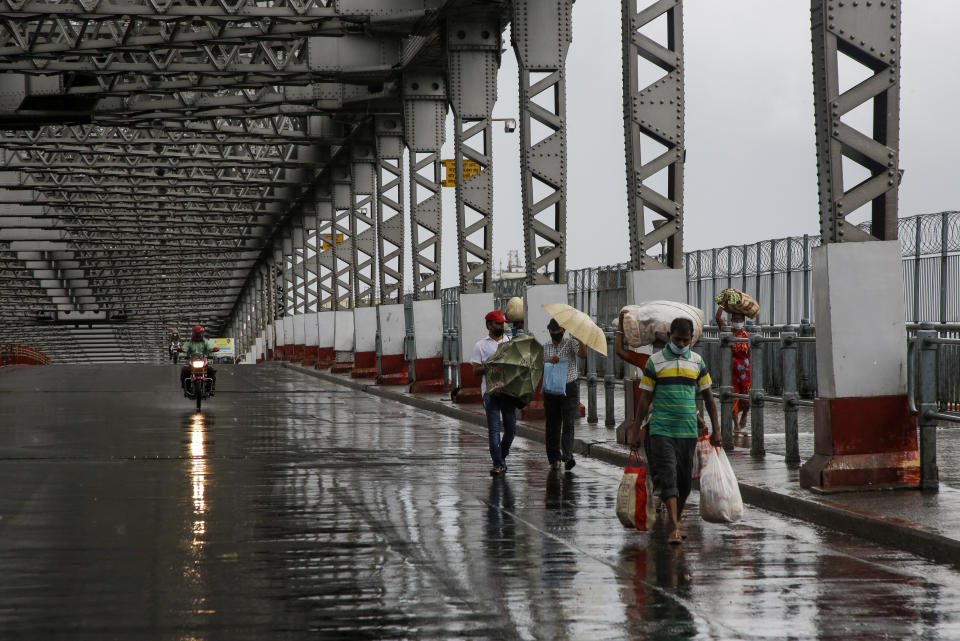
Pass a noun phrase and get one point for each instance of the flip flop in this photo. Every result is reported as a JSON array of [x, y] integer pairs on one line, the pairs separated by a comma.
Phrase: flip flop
[[673, 539]]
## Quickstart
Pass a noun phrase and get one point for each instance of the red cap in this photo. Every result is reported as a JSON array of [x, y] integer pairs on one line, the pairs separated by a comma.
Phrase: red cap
[[197, 329], [496, 316]]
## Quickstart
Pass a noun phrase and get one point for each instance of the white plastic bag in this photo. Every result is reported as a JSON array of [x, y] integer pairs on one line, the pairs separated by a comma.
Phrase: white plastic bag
[[642, 323], [720, 500]]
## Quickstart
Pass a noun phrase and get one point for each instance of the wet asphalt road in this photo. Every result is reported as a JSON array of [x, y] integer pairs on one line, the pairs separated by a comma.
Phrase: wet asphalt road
[[293, 509]]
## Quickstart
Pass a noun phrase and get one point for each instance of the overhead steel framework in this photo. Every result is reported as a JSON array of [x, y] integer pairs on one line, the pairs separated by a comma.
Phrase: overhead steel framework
[[171, 162], [238, 162]]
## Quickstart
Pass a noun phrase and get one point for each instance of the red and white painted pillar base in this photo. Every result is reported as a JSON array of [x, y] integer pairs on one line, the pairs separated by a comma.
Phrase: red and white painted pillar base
[[326, 356], [343, 344], [864, 434], [473, 327], [428, 342], [392, 368], [365, 343]]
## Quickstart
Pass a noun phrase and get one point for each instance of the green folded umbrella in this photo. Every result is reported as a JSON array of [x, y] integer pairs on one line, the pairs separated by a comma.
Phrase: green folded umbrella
[[515, 369]]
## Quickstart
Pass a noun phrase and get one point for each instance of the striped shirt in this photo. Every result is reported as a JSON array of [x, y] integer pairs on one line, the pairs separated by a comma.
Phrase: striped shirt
[[567, 349], [674, 381]]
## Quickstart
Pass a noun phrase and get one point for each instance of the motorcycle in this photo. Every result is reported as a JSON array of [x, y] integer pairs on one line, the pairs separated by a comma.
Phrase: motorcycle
[[199, 384]]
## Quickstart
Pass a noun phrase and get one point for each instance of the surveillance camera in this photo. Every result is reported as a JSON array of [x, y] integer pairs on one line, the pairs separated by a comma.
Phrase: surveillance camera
[[509, 125]]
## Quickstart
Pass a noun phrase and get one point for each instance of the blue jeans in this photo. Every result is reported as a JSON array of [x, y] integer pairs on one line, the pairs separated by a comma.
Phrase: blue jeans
[[497, 406]]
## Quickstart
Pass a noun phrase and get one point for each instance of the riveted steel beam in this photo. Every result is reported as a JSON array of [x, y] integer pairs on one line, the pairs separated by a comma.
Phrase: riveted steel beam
[[654, 114], [867, 33], [390, 227], [344, 258], [326, 265], [541, 34], [473, 59], [363, 219], [424, 116]]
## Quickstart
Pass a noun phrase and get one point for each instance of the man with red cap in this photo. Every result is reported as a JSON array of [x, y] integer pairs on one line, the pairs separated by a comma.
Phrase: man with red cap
[[501, 413]]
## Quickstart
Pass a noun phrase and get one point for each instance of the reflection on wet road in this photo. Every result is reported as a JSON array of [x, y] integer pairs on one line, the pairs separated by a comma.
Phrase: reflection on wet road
[[292, 509]]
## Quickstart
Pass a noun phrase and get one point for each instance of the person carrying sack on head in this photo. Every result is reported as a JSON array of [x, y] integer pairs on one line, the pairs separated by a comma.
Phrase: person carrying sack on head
[[501, 412], [561, 409], [672, 378]]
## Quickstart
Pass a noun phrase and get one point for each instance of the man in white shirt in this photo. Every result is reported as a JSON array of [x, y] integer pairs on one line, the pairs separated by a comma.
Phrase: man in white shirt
[[501, 413]]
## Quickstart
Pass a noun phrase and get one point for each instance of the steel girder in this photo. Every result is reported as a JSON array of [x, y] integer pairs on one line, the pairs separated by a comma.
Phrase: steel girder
[[424, 116], [389, 204], [869, 34], [159, 153], [655, 113], [473, 59], [541, 32]]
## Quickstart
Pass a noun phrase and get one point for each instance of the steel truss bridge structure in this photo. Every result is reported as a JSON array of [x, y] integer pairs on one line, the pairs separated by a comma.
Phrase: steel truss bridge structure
[[232, 162]]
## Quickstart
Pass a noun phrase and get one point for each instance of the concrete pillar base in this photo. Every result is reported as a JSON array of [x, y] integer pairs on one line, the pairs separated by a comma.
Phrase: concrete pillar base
[[428, 376], [863, 443], [299, 353], [310, 356], [343, 363], [393, 370], [325, 357], [469, 391], [364, 365]]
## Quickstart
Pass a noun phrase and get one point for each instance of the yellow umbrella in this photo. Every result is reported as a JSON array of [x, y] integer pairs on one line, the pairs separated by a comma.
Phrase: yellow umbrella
[[579, 324]]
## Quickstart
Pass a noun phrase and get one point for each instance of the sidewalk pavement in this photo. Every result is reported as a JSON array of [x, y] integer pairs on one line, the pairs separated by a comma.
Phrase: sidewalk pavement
[[924, 523]]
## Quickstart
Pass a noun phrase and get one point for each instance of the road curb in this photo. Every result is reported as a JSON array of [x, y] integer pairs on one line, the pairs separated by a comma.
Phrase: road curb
[[868, 525]]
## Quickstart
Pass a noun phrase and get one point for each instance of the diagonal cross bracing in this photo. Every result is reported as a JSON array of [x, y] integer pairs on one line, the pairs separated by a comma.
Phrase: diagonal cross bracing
[[867, 33]]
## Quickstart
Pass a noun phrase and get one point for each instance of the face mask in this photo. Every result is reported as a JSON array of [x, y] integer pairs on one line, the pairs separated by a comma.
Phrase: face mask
[[679, 351], [556, 337], [497, 331], [736, 325]]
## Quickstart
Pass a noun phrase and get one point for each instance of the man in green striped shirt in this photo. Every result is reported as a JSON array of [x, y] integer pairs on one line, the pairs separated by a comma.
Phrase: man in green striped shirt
[[671, 380]]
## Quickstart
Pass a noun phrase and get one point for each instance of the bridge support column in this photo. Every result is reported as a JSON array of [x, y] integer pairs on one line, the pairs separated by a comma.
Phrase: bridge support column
[[428, 346], [343, 344], [473, 327], [424, 112], [364, 343], [865, 435], [326, 356], [391, 327], [473, 59]]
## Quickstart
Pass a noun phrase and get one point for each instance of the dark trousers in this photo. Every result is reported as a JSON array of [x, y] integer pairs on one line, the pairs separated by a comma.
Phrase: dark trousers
[[561, 412], [672, 462]]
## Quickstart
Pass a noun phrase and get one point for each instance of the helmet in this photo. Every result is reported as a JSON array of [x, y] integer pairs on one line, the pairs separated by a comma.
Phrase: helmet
[[198, 332]]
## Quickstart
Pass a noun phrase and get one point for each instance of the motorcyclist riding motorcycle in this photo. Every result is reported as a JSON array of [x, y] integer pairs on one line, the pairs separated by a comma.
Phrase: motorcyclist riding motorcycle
[[198, 345]]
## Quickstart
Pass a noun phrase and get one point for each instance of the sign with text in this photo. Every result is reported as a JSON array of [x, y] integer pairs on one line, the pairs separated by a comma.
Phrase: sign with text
[[225, 345], [470, 169]]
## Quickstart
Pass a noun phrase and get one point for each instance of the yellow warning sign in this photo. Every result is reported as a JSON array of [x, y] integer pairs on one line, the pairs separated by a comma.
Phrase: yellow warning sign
[[324, 245], [470, 169]]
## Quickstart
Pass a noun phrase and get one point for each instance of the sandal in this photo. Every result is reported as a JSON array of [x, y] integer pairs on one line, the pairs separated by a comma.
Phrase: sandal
[[494, 471], [675, 539]]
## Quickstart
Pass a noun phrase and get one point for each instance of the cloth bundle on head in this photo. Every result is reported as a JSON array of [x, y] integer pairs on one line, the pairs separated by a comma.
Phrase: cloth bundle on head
[[496, 316], [515, 309], [644, 322], [735, 301]]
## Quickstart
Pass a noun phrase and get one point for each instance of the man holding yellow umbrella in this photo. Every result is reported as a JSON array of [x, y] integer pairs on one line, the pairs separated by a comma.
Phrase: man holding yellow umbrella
[[561, 409]]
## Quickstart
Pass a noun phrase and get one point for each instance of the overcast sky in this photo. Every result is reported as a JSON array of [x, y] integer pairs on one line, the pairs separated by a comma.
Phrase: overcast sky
[[751, 163]]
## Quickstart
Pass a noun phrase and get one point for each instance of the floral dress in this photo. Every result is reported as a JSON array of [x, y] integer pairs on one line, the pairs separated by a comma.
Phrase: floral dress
[[741, 363], [741, 370]]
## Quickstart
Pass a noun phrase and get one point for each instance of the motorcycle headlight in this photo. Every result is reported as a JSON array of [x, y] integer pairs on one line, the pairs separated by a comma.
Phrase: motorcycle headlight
[[197, 364]]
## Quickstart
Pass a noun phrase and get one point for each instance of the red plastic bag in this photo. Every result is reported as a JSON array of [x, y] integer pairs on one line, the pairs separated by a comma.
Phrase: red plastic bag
[[635, 504], [701, 454]]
